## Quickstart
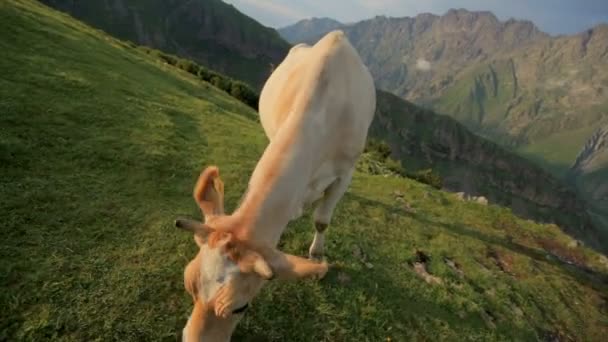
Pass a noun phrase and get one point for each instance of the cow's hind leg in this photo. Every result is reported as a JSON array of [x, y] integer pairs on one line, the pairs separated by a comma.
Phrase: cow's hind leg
[[324, 211]]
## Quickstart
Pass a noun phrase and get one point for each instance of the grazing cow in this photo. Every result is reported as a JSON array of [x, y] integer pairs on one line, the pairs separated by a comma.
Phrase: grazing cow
[[316, 109]]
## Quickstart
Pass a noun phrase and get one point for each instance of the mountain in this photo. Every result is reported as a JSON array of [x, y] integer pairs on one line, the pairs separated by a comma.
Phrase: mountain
[[590, 170], [537, 95], [101, 144], [210, 32], [307, 28]]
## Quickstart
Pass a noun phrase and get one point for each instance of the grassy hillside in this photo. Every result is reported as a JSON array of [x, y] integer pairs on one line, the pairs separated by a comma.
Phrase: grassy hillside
[[100, 145], [210, 32]]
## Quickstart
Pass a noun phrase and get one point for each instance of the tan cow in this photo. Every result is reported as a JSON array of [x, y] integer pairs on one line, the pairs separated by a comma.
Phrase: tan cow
[[316, 109]]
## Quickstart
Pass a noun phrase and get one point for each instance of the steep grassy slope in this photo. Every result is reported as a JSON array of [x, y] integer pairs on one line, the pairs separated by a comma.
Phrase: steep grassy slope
[[210, 32], [100, 145]]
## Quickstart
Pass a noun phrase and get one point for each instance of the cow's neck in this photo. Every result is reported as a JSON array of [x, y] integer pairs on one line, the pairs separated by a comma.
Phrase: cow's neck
[[279, 181]]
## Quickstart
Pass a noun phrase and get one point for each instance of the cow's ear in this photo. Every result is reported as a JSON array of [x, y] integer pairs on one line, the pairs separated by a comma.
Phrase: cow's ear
[[290, 267], [252, 262], [209, 192]]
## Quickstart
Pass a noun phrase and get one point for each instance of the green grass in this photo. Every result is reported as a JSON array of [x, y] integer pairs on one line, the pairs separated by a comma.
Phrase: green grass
[[555, 156], [100, 145]]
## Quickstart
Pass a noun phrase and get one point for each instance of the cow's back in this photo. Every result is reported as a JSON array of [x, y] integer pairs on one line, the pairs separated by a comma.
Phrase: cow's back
[[316, 109], [335, 80]]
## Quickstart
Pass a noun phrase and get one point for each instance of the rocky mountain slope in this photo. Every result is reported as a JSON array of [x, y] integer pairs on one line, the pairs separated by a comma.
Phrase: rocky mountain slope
[[421, 139], [100, 145], [590, 170], [306, 28], [210, 32], [507, 81]]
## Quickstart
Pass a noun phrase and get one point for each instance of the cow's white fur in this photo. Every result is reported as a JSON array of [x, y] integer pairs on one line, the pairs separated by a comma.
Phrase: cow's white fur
[[316, 109], [215, 271], [330, 104]]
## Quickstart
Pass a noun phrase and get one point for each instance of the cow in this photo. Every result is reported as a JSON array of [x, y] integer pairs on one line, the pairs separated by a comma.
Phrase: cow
[[316, 109]]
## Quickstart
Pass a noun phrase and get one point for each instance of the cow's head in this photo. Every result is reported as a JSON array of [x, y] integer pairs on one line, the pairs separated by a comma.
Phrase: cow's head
[[230, 267]]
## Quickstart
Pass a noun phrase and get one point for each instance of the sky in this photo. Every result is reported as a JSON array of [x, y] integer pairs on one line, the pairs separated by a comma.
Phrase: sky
[[552, 16]]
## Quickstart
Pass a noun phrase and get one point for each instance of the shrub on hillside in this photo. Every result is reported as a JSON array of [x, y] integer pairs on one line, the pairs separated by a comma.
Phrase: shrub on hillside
[[188, 66], [206, 75], [221, 83], [379, 161], [237, 89], [242, 92], [395, 167], [379, 147], [427, 176], [171, 60]]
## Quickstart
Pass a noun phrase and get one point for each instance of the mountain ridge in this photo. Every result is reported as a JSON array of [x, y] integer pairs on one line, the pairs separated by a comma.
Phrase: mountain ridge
[[308, 27], [210, 32], [538, 95], [455, 49], [452, 11]]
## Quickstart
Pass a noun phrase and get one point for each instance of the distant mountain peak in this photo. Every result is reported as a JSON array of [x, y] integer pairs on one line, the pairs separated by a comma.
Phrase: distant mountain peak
[[321, 19], [211, 32], [305, 28], [462, 12], [315, 21], [427, 15]]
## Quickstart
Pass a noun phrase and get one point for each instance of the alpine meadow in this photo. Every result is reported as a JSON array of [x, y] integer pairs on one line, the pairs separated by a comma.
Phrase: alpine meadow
[[102, 141]]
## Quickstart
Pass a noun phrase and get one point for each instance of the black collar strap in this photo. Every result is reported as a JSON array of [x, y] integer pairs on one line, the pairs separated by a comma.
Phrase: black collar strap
[[241, 309]]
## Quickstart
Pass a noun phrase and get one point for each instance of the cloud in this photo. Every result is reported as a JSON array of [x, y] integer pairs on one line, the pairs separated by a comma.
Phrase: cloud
[[423, 65]]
